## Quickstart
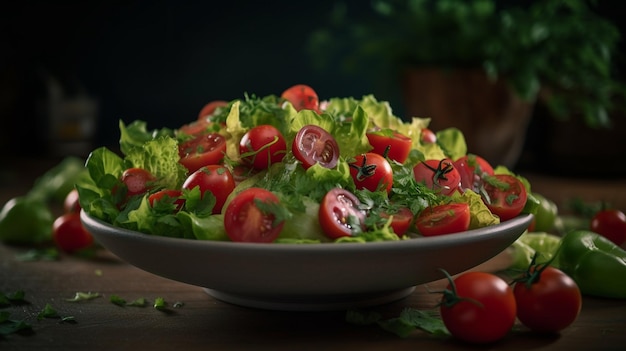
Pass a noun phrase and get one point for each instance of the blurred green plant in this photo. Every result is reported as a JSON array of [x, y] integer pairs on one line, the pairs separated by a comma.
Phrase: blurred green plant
[[559, 51]]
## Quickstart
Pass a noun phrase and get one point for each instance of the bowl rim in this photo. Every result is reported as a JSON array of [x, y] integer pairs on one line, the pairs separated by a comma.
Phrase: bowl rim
[[393, 245]]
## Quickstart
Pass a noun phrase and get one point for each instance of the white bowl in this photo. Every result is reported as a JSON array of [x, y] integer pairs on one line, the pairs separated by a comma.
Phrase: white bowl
[[307, 276]]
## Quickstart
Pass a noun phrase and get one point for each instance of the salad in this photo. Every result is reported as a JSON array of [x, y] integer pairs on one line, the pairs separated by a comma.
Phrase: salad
[[294, 169]]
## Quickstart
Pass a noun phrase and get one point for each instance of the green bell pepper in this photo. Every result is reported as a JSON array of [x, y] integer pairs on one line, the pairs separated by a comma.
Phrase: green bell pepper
[[25, 221], [596, 264]]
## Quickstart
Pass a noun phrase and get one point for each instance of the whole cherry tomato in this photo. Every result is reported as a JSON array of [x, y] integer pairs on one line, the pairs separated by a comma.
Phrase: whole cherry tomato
[[69, 235], [478, 307], [262, 146], [610, 223], [548, 300], [302, 97], [371, 171]]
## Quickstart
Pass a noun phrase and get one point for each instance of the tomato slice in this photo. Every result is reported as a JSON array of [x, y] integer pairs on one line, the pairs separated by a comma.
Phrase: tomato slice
[[394, 145], [401, 220], [245, 221], [204, 149], [302, 96], [340, 214], [472, 169], [443, 219], [504, 195], [439, 175], [313, 144]]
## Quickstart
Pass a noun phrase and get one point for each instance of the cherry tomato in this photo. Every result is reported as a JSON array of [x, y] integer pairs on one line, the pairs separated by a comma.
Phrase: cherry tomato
[[195, 128], [401, 221], [302, 97], [371, 171], [439, 175], [71, 203], [208, 109], [391, 144], [428, 136], [478, 307], [138, 181], [68, 233], [170, 195], [472, 169], [216, 179], [504, 195], [246, 221], [204, 149], [548, 300], [313, 144], [610, 223], [340, 214], [262, 146], [443, 219]]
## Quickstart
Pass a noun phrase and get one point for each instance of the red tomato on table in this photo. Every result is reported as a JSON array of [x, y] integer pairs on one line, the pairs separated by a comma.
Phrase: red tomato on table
[[478, 307], [549, 301], [610, 223], [68, 233]]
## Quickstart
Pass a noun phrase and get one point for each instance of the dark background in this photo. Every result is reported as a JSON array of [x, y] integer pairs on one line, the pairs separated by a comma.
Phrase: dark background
[[161, 61]]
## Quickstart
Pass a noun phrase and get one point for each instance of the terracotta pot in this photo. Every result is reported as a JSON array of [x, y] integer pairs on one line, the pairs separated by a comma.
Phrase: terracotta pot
[[492, 117]]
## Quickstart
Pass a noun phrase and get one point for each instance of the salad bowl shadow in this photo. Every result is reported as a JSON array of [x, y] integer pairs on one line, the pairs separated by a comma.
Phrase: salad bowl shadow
[[307, 277]]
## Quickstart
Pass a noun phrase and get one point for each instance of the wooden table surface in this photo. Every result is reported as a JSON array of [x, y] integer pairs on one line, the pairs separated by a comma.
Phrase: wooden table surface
[[203, 322]]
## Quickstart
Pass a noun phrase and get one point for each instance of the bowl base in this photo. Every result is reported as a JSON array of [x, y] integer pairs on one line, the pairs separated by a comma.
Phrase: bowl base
[[311, 303]]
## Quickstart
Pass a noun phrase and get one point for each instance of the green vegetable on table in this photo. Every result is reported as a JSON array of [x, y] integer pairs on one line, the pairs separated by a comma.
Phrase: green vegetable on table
[[27, 219], [596, 264]]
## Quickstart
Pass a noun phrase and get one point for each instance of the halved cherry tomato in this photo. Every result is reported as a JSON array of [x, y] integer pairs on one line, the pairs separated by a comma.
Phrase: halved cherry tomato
[[68, 233], [216, 179], [340, 214], [371, 171], [401, 221], [137, 180], [170, 195], [472, 169], [71, 203], [504, 195], [262, 146], [478, 307], [428, 136], [208, 109], [439, 175], [205, 149], [313, 144], [246, 219], [443, 219], [392, 144], [302, 97], [610, 223], [548, 300]]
